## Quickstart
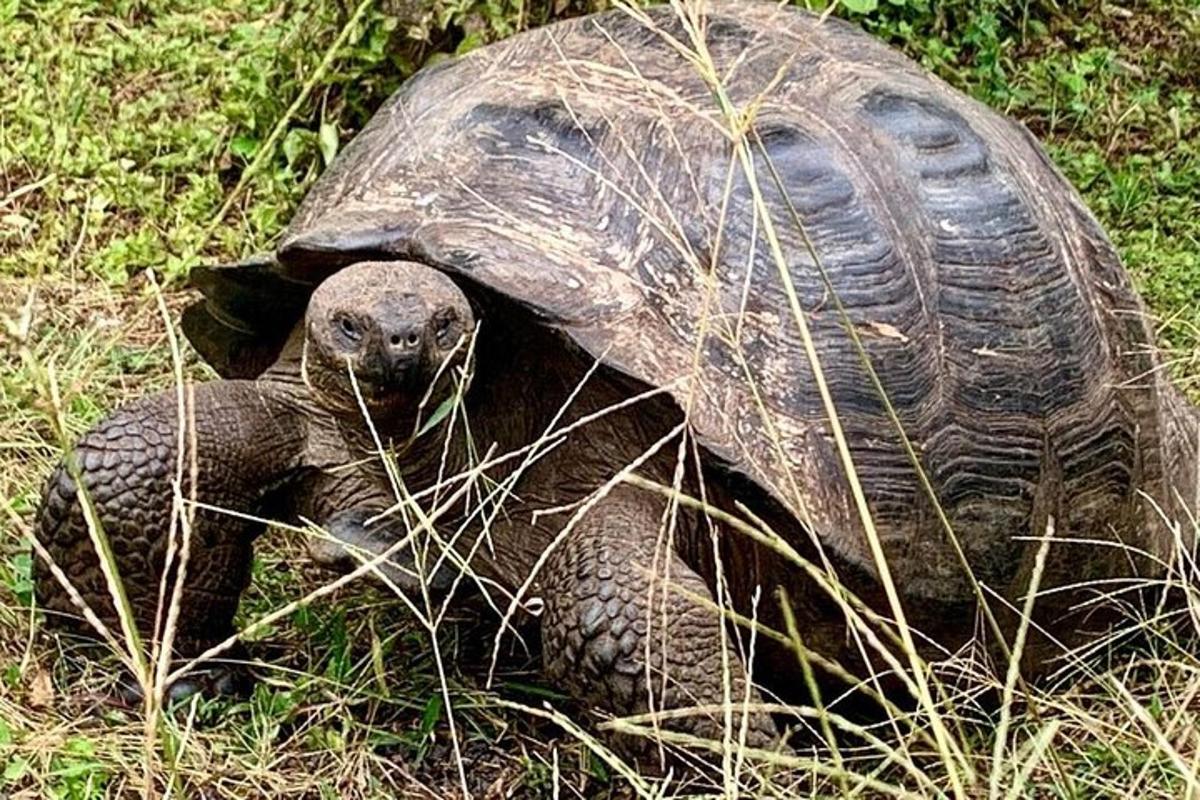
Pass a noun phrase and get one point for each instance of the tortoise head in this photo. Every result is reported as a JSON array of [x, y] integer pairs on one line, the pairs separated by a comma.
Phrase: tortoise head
[[398, 326]]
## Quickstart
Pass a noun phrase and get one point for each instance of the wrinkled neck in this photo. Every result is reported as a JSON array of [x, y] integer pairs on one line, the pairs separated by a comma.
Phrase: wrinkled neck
[[248, 438], [420, 461]]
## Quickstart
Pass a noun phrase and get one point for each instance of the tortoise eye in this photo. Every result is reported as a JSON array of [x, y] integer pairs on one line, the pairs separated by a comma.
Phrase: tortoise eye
[[349, 328], [443, 325]]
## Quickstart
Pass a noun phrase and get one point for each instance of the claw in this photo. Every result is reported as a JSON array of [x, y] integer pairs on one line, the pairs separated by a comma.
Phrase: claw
[[217, 681]]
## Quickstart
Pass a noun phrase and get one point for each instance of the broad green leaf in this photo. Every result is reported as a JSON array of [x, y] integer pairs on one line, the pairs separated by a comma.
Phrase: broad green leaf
[[243, 145], [860, 6], [437, 416], [431, 715], [296, 145], [15, 769]]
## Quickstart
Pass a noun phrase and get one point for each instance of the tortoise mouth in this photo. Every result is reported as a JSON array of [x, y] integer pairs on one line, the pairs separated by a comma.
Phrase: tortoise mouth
[[376, 393], [376, 385], [394, 398]]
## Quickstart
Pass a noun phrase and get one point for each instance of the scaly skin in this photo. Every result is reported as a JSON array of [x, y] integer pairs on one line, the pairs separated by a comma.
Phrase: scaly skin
[[610, 590], [249, 440]]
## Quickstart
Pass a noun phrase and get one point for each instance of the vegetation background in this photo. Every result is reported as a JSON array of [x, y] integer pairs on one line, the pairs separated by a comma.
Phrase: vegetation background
[[152, 135]]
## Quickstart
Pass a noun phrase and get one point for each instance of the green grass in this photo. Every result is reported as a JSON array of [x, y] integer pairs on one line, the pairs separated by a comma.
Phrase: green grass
[[1113, 90], [125, 130]]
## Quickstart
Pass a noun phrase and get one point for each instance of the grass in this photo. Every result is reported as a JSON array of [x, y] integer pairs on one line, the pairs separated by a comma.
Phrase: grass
[[154, 134]]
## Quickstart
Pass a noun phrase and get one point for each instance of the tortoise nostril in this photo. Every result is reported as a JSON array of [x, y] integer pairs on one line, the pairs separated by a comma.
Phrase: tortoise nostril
[[409, 340]]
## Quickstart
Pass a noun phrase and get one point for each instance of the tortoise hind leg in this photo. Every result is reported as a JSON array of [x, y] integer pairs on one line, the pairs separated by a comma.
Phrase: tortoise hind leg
[[606, 605]]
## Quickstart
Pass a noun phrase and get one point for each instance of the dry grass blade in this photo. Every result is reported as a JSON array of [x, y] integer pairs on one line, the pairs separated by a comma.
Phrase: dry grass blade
[[816, 766], [810, 681], [1014, 663], [641, 786], [1037, 751]]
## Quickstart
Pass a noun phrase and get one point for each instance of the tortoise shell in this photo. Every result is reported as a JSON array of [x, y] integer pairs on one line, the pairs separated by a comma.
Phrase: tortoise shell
[[674, 214]]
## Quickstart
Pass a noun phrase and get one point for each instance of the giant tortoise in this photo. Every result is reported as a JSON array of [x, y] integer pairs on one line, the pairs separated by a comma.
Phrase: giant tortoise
[[652, 312]]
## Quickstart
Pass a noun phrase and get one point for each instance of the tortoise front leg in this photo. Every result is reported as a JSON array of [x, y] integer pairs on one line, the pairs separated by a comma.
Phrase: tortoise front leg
[[610, 602], [247, 442], [348, 505]]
